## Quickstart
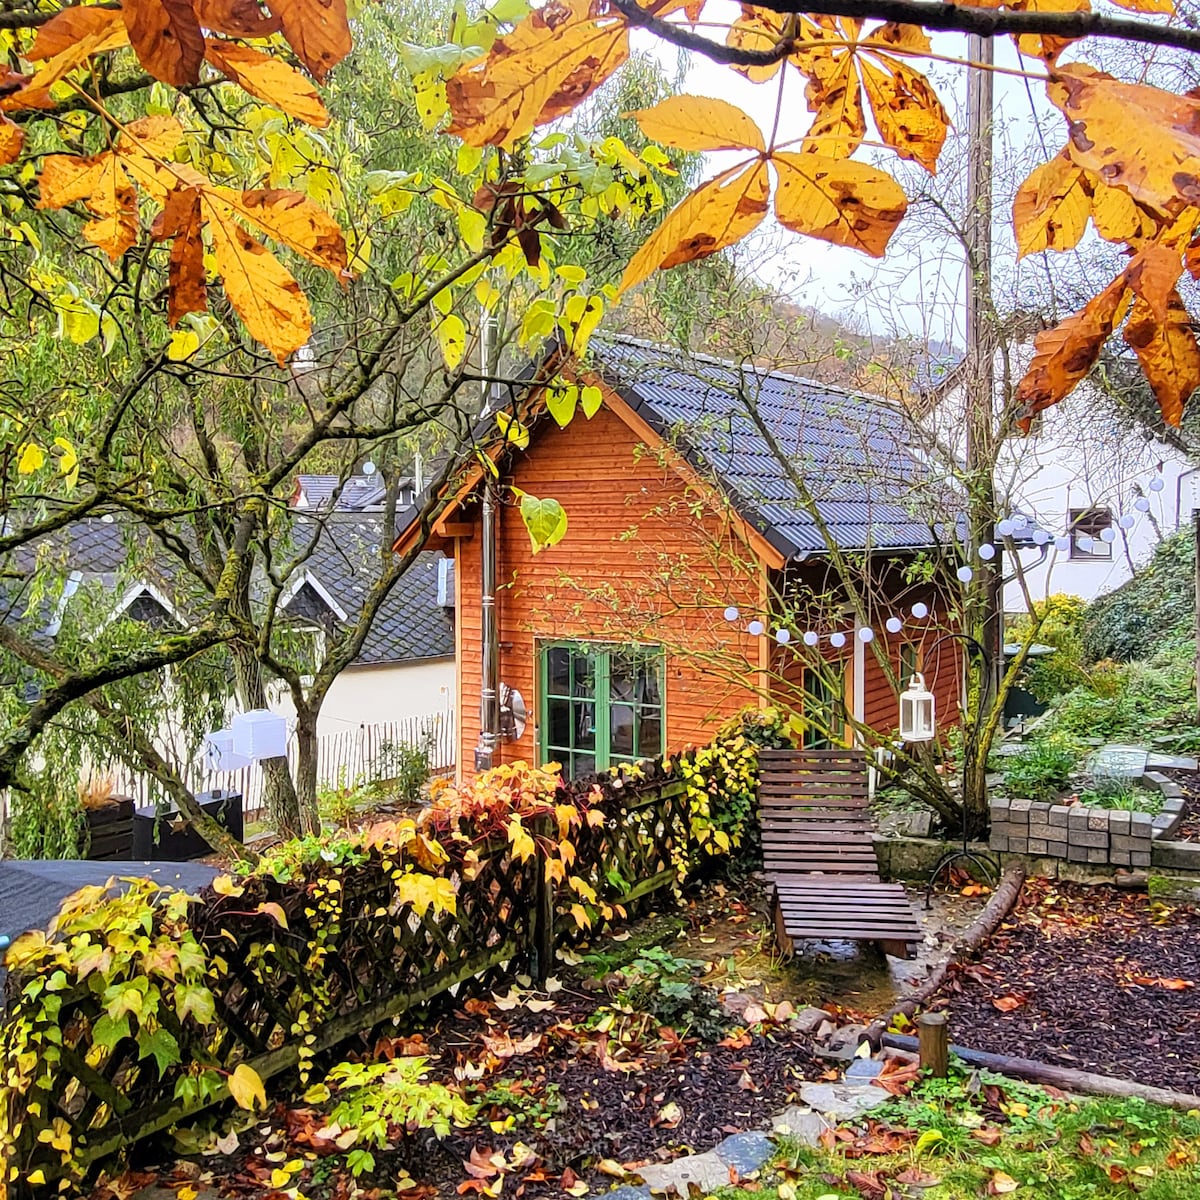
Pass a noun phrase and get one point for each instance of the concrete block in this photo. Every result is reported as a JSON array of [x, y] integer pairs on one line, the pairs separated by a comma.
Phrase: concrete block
[[1097, 820], [1128, 843], [1139, 858], [1118, 822], [1037, 845], [1077, 854], [1020, 806], [1018, 845], [1179, 856], [1056, 849], [1077, 818], [1140, 824], [1059, 814], [1119, 858], [1097, 854], [1092, 838], [998, 841]]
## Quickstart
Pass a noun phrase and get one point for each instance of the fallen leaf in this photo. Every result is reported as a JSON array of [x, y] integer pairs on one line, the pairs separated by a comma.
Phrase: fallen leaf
[[1001, 1184], [1009, 1003]]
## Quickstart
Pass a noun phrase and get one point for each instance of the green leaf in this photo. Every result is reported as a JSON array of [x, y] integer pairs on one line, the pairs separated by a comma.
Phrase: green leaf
[[196, 1000], [108, 1031], [929, 1138], [561, 402], [591, 398], [161, 1046], [546, 520]]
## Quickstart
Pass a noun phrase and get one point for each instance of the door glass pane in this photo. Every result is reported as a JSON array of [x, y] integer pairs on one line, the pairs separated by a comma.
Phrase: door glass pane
[[585, 725], [558, 671], [620, 726], [583, 665], [650, 735], [558, 721], [583, 764]]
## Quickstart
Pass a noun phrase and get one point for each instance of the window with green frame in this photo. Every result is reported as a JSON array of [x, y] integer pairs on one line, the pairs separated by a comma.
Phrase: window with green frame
[[600, 705], [825, 705], [910, 662]]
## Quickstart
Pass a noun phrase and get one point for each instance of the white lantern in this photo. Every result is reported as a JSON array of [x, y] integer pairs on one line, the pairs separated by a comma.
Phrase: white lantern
[[916, 711], [260, 734], [219, 751]]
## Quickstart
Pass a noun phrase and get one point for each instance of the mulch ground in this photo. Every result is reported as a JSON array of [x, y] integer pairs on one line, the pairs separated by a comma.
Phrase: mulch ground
[[1091, 978]]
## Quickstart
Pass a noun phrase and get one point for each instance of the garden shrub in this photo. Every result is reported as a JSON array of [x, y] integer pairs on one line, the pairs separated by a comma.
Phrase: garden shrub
[[1156, 606], [1061, 626], [1041, 770], [167, 1002]]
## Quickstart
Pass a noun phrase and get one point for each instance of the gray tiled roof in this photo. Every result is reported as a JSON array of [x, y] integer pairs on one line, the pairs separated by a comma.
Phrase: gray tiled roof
[[849, 449], [346, 562]]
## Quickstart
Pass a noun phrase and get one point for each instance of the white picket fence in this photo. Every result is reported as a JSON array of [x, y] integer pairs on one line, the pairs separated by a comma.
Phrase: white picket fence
[[343, 758]]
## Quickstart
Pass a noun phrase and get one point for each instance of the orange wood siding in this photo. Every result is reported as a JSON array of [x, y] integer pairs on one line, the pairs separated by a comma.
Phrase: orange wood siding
[[646, 559], [943, 676]]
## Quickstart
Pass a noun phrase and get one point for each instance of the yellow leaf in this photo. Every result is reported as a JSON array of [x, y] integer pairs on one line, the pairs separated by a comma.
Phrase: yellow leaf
[[184, 343], [716, 215], [523, 846], [582, 919], [841, 201], [1001, 1184], [270, 79], [274, 911], [31, 460], [513, 431], [452, 339], [907, 111], [246, 1087], [699, 123], [68, 461], [291, 218], [1116, 215], [590, 400], [835, 97], [1147, 6], [1052, 207], [260, 288], [551, 62], [223, 885]]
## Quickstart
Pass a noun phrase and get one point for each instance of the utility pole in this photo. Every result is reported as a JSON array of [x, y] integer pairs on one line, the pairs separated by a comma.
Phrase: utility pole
[[984, 615]]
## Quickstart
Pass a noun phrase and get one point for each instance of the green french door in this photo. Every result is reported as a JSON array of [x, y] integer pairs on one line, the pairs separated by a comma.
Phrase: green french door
[[600, 705]]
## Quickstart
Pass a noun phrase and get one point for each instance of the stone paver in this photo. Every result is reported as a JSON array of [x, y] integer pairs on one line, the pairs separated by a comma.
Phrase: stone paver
[[745, 1152], [802, 1124], [842, 1101], [708, 1171]]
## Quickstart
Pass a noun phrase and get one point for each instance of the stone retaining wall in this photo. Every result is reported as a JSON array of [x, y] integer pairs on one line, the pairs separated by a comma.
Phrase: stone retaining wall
[[1085, 835]]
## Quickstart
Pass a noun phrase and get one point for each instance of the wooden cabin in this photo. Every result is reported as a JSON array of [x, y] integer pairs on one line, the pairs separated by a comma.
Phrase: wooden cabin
[[621, 641]]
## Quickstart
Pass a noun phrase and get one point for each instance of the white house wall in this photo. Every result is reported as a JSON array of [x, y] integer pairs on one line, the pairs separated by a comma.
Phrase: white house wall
[[367, 695], [1079, 460]]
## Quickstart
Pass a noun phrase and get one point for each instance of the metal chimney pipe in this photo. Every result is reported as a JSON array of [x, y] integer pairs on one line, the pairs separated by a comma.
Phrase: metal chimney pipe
[[489, 690]]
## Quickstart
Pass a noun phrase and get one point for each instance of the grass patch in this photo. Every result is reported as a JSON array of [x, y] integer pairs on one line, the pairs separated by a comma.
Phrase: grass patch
[[978, 1135]]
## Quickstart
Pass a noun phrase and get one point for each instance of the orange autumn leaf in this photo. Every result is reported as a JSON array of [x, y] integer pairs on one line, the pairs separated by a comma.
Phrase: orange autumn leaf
[[552, 61], [166, 36], [291, 218], [1147, 6], [106, 191], [1047, 46], [717, 214], [270, 79], [65, 30], [834, 95], [837, 200], [907, 112], [757, 29], [1153, 274], [1009, 1003], [261, 289], [181, 221], [1052, 207], [97, 39], [699, 123], [1065, 354], [238, 18], [1117, 216], [1135, 137], [12, 138], [317, 30]]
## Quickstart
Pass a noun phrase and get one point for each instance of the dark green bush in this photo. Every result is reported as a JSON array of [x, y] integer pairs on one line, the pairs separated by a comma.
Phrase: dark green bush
[[1042, 769], [1156, 606]]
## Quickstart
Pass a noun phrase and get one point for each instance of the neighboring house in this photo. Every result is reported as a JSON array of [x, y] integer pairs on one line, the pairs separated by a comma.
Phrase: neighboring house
[[356, 493], [613, 644], [1079, 470], [405, 667]]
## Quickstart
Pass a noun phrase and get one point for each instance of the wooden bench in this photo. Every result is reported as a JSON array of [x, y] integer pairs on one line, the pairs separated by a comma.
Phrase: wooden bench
[[818, 854]]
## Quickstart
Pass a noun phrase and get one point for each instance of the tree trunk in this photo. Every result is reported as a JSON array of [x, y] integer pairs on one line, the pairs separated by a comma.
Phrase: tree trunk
[[306, 770]]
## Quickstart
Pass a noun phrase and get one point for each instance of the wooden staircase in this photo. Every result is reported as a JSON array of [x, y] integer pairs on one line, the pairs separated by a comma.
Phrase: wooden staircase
[[818, 854]]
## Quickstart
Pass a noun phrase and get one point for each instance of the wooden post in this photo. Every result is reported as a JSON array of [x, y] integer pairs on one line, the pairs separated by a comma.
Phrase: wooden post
[[1196, 578], [934, 1043]]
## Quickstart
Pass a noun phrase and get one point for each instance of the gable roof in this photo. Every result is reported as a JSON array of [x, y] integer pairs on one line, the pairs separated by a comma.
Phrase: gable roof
[[343, 565], [851, 449]]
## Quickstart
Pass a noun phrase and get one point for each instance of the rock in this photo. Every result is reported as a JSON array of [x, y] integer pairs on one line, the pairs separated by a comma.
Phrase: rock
[[824, 1030], [800, 1123], [1134, 881], [842, 1101], [843, 1043], [735, 1003], [745, 1152], [707, 1171], [863, 1070], [808, 1020], [628, 1192]]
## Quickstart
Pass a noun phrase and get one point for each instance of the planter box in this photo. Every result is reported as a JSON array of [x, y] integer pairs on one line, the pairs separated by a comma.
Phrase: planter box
[[176, 841], [110, 830]]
